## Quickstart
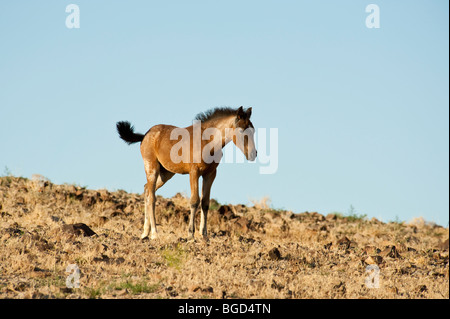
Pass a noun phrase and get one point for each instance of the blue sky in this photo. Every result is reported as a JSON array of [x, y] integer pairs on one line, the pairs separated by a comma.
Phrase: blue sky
[[362, 114]]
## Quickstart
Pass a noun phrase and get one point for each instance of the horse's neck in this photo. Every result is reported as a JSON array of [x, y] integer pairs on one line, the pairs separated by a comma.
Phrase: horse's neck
[[225, 126]]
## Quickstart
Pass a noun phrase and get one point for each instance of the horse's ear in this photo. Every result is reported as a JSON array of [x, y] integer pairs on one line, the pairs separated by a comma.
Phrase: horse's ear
[[240, 113], [248, 112]]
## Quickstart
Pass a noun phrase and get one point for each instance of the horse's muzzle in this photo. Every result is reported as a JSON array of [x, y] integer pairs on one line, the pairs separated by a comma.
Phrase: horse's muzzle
[[252, 155]]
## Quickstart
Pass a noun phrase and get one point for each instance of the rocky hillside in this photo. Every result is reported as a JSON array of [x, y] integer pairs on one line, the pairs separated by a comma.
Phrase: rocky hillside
[[54, 238]]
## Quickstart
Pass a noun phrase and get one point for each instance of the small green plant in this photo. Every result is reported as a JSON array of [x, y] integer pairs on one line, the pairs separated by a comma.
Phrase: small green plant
[[134, 287], [7, 172], [93, 293], [53, 280], [397, 220], [137, 288], [356, 217], [7, 175], [174, 256], [353, 215], [214, 204]]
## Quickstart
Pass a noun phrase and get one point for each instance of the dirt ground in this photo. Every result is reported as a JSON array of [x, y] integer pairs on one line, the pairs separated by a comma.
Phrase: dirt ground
[[56, 237]]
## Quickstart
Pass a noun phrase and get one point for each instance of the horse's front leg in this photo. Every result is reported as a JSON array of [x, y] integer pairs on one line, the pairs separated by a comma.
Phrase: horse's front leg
[[208, 180], [195, 201]]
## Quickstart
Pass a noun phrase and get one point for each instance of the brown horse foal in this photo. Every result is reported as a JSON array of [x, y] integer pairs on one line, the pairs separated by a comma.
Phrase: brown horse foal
[[197, 153]]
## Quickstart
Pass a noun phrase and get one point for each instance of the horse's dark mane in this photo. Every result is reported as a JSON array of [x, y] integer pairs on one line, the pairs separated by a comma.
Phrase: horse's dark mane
[[215, 113]]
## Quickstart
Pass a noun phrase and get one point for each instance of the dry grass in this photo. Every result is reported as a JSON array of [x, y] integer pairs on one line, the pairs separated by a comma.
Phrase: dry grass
[[252, 252]]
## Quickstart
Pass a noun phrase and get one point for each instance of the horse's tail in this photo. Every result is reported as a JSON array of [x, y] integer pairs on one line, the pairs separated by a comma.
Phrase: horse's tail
[[126, 132]]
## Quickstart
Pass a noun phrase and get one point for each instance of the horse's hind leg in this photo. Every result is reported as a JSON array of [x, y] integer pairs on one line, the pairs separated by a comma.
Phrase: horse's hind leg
[[146, 218], [157, 176], [152, 172]]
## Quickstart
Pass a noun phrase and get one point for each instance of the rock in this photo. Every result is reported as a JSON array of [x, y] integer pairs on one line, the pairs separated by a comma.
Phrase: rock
[[443, 245], [122, 292], [255, 283], [117, 213], [128, 210], [104, 258], [340, 288], [79, 193], [274, 254], [331, 217], [19, 285], [344, 242], [100, 220], [14, 230], [5, 214], [242, 223], [421, 289], [373, 260], [226, 212], [390, 251], [41, 244], [78, 229], [223, 233], [245, 240], [20, 200], [196, 288], [375, 221], [39, 182], [273, 216], [171, 291], [104, 195], [276, 285], [55, 219], [289, 214], [89, 200], [208, 289], [110, 261], [317, 216], [169, 204], [411, 249], [40, 273], [66, 290], [393, 290], [371, 250]]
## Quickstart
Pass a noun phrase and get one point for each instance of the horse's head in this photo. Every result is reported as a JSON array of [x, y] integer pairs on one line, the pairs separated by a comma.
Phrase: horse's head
[[244, 133]]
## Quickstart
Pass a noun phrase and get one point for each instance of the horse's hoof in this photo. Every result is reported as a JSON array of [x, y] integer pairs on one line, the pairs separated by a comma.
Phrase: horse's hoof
[[154, 236], [144, 237]]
